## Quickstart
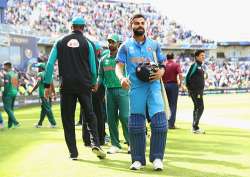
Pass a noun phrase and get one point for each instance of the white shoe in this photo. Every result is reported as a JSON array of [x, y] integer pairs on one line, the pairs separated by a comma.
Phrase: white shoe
[[113, 150], [158, 165], [198, 131], [129, 150], [136, 166], [37, 126], [52, 126]]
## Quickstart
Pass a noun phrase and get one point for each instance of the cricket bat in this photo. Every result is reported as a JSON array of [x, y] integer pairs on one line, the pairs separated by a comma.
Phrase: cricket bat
[[163, 91]]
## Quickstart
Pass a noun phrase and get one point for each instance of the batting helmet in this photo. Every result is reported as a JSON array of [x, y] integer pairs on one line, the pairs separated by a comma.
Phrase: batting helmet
[[144, 70]]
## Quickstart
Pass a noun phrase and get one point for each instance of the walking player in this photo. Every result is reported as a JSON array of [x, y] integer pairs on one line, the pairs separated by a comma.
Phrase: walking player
[[117, 102], [136, 50], [77, 74], [9, 93], [172, 79], [195, 84], [46, 103]]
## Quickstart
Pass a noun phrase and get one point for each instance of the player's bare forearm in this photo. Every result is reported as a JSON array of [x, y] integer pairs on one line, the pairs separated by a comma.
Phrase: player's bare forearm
[[34, 88], [119, 68]]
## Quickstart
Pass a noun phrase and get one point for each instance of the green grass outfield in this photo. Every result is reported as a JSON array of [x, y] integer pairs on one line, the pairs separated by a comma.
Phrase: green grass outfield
[[222, 152]]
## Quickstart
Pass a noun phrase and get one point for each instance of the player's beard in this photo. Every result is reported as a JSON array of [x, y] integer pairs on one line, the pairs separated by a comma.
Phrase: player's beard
[[111, 48], [139, 31]]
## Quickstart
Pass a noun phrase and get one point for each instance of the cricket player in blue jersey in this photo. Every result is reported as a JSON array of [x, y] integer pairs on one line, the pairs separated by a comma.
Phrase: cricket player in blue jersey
[[137, 50]]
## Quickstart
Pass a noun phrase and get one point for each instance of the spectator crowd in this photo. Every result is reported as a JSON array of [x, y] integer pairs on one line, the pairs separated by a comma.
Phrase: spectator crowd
[[51, 17]]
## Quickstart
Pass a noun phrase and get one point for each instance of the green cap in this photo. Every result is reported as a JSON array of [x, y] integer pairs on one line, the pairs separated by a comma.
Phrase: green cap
[[78, 21], [40, 65], [113, 37]]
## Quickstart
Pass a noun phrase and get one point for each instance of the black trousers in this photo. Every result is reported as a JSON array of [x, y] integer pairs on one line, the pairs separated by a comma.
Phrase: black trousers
[[68, 107], [98, 107], [197, 98]]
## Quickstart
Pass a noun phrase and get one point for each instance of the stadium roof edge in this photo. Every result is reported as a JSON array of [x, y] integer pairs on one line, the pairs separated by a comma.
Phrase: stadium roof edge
[[234, 43]]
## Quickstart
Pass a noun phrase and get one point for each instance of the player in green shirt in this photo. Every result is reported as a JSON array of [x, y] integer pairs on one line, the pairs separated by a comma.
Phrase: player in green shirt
[[46, 103], [117, 102], [9, 93]]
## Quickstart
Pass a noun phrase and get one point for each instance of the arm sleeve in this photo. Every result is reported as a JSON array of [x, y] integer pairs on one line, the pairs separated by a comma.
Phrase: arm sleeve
[[122, 54], [50, 66], [100, 73], [92, 62], [190, 73], [160, 56]]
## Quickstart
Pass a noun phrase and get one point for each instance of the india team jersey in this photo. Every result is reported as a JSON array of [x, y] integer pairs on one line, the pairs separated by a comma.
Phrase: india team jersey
[[131, 53]]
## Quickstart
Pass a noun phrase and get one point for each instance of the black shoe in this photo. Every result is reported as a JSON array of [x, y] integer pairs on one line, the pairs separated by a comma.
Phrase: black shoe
[[99, 152], [87, 144], [73, 156], [172, 127]]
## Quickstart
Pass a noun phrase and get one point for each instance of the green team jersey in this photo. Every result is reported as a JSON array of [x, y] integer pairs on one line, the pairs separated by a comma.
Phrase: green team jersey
[[40, 77], [106, 73], [10, 84]]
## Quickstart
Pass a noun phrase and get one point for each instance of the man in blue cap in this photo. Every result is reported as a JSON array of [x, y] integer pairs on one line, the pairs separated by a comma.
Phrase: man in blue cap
[[77, 75]]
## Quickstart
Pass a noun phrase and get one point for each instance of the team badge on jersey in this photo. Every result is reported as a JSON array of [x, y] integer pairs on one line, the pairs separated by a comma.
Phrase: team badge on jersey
[[149, 49], [73, 43]]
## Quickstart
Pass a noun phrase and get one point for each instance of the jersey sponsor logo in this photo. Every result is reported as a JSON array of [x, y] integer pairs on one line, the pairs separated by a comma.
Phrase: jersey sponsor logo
[[131, 50], [137, 60], [109, 68], [73, 43]]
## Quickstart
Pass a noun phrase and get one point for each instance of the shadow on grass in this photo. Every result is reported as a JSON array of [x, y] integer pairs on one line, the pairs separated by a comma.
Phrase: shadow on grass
[[169, 170], [207, 162]]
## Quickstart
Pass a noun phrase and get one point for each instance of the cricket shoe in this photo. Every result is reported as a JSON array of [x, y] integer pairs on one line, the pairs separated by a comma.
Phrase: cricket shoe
[[198, 131], [158, 165], [136, 165], [99, 152], [113, 150]]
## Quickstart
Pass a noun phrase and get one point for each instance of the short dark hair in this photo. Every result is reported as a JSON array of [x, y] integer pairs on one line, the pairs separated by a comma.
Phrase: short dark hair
[[198, 52], [78, 26], [8, 64], [137, 16], [170, 56]]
